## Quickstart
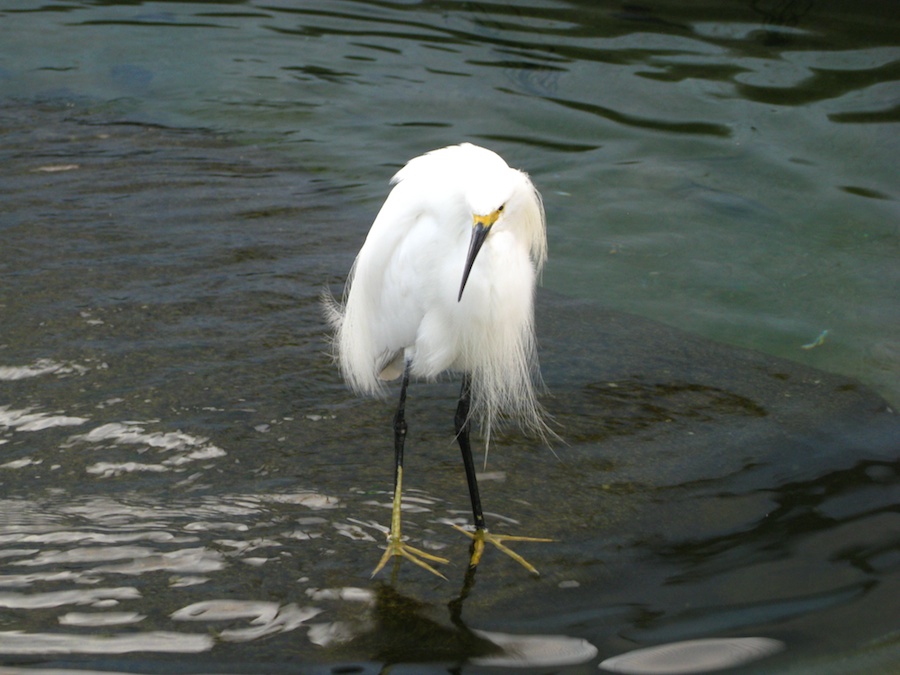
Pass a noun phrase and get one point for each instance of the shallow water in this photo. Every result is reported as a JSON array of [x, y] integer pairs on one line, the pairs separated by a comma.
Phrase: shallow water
[[185, 481]]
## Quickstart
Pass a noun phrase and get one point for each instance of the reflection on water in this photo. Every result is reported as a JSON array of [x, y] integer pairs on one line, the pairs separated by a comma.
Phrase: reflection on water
[[693, 656], [104, 557], [87, 548]]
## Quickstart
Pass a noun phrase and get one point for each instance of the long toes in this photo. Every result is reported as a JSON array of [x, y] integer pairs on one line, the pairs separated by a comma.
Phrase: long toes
[[414, 555], [482, 537]]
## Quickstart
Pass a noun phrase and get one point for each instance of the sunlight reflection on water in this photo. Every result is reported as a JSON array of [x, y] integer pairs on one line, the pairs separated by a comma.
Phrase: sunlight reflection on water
[[86, 544], [102, 549]]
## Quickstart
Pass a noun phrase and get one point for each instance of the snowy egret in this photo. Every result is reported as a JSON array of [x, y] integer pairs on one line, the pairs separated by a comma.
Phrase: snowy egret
[[445, 281]]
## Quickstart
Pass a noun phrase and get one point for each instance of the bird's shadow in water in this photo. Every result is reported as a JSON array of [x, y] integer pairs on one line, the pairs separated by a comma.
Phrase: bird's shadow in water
[[404, 629]]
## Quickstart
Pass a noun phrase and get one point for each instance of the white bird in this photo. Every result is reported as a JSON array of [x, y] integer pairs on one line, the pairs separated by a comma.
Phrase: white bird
[[445, 282]]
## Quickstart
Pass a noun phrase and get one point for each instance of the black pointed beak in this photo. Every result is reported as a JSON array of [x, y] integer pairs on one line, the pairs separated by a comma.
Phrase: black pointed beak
[[479, 232]]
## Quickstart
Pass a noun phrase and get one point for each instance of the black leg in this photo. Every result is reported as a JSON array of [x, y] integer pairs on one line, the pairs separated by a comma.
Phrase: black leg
[[400, 426], [481, 535], [461, 423]]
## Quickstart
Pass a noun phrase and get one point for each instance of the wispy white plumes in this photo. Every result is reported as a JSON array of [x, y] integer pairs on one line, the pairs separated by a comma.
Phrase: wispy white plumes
[[401, 300]]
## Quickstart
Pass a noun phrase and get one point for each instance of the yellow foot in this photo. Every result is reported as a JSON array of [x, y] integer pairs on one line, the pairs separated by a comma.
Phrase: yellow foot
[[396, 547], [482, 536]]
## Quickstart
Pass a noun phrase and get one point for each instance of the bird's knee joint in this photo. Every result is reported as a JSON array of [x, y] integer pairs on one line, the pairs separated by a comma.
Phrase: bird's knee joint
[[460, 423], [461, 419]]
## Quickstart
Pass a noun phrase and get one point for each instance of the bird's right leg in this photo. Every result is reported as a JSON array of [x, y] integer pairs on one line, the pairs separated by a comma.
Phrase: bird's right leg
[[481, 534], [395, 546]]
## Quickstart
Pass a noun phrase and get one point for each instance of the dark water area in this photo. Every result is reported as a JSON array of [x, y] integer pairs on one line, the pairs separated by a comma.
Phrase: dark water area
[[186, 486]]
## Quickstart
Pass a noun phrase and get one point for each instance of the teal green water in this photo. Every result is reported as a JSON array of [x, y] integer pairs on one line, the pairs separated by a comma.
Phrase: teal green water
[[728, 168]]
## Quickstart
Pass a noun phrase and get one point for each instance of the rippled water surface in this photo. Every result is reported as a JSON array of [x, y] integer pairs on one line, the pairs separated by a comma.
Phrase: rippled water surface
[[185, 484]]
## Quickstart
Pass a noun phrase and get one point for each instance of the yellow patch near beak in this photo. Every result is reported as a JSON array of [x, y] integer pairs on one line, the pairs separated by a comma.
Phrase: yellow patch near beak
[[487, 220]]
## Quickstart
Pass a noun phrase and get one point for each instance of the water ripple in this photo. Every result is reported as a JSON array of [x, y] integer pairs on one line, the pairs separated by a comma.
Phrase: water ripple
[[25, 643]]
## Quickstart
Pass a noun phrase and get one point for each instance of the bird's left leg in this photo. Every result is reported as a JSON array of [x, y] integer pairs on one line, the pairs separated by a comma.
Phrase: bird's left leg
[[481, 534], [395, 546]]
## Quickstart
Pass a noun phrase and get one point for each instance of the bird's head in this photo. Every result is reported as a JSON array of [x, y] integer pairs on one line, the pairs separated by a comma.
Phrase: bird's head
[[500, 197], [484, 190]]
